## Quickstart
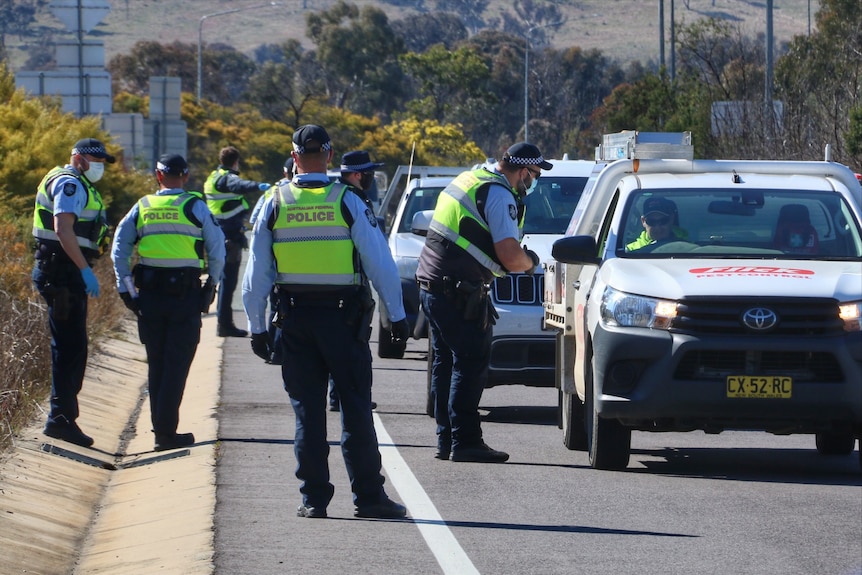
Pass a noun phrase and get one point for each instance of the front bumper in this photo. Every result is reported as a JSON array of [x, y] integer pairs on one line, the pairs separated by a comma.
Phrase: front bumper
[[661, 381]]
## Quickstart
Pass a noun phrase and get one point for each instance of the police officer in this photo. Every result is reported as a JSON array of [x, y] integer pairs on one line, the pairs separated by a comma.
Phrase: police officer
[[69, 225], [317, 241], [357, 171], [274, 330], [473, 237], [226, 197], [173, 229]]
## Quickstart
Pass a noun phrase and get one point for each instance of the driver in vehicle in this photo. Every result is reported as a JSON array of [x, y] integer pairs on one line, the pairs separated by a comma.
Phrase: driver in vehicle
[[658, 220]]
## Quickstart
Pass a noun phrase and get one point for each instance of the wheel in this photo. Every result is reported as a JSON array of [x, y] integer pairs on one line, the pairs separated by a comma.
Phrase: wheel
[[572, 412], [385, 348], [608, 441], [835, 443], [429, 399]]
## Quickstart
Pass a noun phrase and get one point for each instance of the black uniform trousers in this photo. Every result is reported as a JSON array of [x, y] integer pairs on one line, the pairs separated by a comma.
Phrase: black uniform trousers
[[170, 329], [459, 370], [235, 242], [317, 341], [67, 320]]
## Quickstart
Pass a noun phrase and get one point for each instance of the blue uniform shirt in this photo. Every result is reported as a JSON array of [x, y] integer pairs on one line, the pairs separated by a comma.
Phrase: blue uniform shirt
[[377, 262], [127, 235], [68, 193], [501, 213]]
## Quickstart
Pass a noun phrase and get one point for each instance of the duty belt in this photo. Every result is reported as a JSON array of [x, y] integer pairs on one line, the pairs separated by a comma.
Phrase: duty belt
[[435, 286]]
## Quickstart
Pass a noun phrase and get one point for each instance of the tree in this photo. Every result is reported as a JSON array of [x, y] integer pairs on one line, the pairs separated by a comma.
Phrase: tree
[[446, 81], [421, 31], [277, 88], [566, 87], [16, 16], [225, 72], [359, 52], [37, 135], [820, 82], [472, 11]]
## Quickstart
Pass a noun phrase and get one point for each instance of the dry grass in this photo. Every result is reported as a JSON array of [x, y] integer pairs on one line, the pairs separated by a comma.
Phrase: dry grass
[[622, 29], [25, 356]]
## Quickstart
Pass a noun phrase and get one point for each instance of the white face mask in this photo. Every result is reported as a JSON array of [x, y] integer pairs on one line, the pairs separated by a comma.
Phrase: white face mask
[[524, 190], [95, 172]]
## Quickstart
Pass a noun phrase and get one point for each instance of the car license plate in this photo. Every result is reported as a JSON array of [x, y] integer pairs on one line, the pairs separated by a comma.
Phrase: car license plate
[[760, 386]]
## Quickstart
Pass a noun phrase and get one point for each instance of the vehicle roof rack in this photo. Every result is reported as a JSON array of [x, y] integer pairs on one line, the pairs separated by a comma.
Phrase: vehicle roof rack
[[634, 145]]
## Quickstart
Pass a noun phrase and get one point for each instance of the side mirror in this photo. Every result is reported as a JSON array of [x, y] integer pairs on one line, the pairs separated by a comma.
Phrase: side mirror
[[576, 250], [421, 222]]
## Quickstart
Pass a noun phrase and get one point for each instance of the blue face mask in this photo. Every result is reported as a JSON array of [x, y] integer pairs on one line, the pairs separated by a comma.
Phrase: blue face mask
[[532, 186]]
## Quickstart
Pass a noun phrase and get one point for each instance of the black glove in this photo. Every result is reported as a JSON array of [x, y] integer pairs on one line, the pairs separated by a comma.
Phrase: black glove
[[208, 292], [400, 332], [131, 303], [260, 345], [536, 261]]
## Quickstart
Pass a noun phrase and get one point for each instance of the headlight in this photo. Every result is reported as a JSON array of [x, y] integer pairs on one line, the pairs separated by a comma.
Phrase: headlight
[[407, 267], [627, 310], [851, 314]]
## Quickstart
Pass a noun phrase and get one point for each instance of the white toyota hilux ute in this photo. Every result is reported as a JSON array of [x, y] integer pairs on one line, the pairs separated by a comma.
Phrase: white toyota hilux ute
[[707, 295]]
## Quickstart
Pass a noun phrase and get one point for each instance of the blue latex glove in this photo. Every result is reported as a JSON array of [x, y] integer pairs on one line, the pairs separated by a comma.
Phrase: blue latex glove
[[90, 281], [263, 187]]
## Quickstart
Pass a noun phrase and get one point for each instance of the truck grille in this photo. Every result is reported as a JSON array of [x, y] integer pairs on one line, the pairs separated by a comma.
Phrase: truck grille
[[716, 365], [518, 289], [795, 316]]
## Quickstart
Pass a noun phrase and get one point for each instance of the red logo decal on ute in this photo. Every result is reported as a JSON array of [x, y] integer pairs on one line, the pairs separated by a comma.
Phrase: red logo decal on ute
[[718, 271]]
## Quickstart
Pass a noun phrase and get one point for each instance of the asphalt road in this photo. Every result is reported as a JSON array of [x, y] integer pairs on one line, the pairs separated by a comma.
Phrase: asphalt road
[[688, 503]]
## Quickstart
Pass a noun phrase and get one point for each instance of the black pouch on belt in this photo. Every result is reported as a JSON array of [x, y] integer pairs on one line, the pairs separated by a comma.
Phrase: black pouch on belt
[[470, 297]]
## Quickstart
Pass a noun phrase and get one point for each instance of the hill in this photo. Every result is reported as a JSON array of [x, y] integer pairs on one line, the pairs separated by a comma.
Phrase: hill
[[622, 29]]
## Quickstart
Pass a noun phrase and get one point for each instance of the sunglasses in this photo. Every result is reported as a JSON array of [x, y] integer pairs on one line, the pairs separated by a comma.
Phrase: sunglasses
[[657, 221], [536, 175]]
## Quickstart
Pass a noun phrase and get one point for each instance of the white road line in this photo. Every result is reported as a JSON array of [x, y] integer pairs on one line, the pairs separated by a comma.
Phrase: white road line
[[446, 549]]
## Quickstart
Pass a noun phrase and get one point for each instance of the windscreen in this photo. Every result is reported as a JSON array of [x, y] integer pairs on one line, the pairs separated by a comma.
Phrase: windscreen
[[797, 224], [550, 205], [420, 199]]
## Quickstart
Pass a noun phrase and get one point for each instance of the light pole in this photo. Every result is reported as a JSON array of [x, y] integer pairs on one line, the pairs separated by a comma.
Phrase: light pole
[[527, 73], [201, 35]]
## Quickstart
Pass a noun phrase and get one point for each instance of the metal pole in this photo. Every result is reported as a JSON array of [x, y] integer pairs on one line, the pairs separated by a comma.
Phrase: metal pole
[[767, 88], [661, 33], [526, 84], [80, 39], [201, 35], [672, 44]]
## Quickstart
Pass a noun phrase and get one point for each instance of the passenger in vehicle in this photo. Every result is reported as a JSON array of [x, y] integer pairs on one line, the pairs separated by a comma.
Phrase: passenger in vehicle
[[659, 221], [794, 233]]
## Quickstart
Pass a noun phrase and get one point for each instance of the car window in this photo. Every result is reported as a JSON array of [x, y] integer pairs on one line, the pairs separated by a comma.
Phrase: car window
[[733, 223], [420, 199], [550, 205]]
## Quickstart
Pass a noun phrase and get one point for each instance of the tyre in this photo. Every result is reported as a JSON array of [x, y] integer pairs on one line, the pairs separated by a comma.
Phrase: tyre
[[385, 348], [835, 443], [574, 431], [608, 441], [429, 399]]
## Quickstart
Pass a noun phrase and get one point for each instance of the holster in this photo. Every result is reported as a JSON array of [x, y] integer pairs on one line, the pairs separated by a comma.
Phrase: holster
[[474, 302], [57, 269], [359, 313]]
